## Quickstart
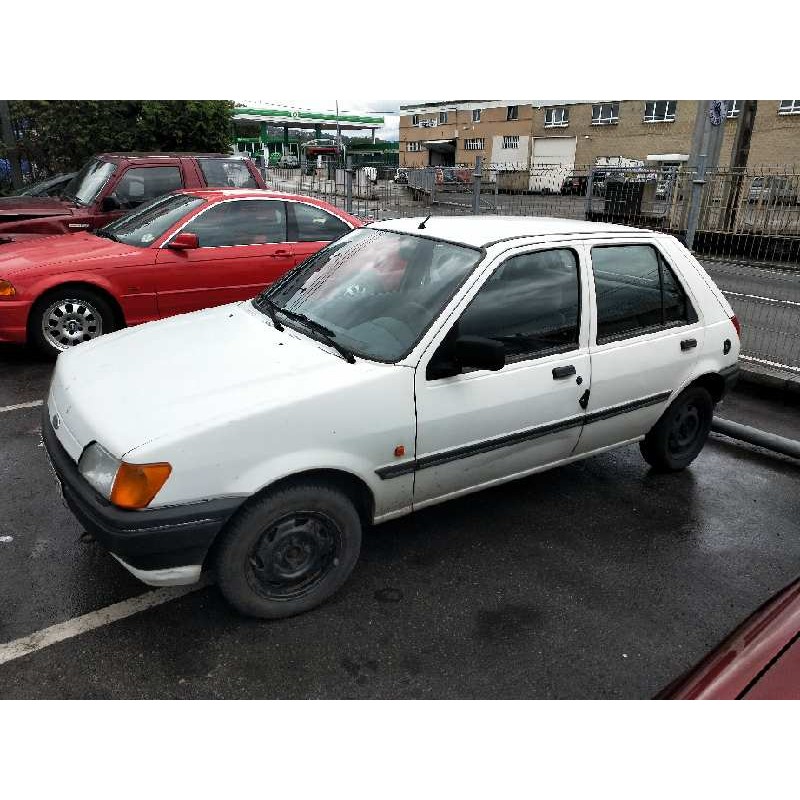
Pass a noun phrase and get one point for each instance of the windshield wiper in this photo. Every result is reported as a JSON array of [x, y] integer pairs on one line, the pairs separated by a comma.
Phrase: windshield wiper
[[263, 301], [107, 235], [326, 333]]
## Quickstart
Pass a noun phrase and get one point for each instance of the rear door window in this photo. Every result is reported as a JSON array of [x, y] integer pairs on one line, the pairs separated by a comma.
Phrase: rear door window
[[311, 224], [140, 184], [227, 172], [636, 292]]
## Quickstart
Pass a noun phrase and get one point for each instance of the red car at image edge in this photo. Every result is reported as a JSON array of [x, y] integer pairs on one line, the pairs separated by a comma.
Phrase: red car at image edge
[[760, 660], [181, 252]]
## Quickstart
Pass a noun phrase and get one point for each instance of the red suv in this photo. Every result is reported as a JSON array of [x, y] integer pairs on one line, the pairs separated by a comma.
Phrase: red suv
[[112, 183]]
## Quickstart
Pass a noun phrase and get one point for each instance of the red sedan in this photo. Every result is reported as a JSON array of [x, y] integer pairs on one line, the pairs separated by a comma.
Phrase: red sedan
[[181, 252]]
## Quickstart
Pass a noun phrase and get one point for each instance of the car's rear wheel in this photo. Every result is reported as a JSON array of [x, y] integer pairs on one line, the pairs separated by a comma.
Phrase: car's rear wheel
[[67, 317], [289, 550], [678, 437]]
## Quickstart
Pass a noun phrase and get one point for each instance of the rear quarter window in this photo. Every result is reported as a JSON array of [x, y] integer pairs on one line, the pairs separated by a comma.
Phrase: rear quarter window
[[227, 173]]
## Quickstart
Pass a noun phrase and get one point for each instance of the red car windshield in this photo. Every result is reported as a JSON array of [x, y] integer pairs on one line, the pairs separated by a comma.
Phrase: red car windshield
[[147, 223]]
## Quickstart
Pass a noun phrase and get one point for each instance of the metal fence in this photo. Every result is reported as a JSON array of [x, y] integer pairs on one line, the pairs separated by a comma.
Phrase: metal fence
[[750, 216]]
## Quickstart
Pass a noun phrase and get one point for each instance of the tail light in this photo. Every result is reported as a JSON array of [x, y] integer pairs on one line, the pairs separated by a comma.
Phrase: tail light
[[735, 321]]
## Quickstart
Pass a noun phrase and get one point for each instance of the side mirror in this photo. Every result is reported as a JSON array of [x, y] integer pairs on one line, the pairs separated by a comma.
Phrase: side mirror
[[110, 204], [479, 353], [184, 241]]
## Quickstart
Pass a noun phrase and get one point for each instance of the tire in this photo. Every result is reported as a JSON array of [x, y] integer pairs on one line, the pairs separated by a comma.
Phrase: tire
[[288, 551], [66, 317], [678, 437]]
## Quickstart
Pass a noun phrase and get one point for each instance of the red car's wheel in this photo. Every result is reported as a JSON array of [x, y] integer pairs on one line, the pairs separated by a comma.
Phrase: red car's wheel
[[67, 317]]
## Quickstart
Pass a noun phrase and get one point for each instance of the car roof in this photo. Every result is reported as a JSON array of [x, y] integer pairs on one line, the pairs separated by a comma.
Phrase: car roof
[[126, 156], [480, 231], [222, 193]]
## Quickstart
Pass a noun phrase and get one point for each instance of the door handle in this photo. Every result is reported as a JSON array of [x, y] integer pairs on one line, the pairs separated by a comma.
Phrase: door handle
[[563, 372], [280, 253], [688, 344]]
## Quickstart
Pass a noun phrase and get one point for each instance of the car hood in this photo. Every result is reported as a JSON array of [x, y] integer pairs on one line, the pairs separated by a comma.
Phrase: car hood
[[206, 368], [34, 207], [29, 252]]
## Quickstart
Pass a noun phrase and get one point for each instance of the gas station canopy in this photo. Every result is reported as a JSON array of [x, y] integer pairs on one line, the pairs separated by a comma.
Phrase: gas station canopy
[[303, 118]]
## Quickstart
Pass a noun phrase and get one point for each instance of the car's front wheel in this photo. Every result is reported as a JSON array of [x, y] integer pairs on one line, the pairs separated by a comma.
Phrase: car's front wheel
[[67, 317], [289, 550], [678, 437]]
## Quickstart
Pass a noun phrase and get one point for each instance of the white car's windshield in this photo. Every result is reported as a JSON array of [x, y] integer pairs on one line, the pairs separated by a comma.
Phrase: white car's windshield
[[375, 291]]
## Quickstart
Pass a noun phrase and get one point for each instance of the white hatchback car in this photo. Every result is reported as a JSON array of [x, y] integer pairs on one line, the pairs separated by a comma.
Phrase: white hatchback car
[[410, 362]]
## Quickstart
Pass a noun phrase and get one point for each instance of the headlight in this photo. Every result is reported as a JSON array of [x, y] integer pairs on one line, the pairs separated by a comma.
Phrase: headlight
[[7, 289], [99, 468], [125, 485]]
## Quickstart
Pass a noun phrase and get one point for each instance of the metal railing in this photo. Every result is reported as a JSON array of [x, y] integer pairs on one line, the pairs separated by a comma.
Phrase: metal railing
[[751, 216]]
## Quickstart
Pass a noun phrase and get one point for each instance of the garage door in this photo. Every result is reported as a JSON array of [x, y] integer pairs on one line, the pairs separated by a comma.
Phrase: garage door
[[553, 159]]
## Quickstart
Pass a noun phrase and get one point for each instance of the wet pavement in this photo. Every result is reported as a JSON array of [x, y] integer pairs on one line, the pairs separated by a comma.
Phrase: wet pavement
[[598, 579]]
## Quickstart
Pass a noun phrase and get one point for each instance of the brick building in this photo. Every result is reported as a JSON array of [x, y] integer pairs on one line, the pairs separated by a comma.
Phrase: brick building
[[521, 135]]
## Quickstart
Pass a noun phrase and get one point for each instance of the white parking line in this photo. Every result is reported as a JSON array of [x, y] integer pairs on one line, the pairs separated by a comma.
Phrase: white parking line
[[95, 619], [759, 297], [32, 404]]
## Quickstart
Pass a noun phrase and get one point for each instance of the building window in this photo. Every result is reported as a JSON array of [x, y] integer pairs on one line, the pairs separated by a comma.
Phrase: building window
[[732, 109], [413, 147], [789, 107], [605, 113], [415, 119], [660, 110], [442, 117], [510, 142], [476, 115], [473, 144], [512, 113], [556, 117]]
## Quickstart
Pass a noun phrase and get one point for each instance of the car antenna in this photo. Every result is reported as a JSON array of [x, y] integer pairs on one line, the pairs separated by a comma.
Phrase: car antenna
[[421, 226]]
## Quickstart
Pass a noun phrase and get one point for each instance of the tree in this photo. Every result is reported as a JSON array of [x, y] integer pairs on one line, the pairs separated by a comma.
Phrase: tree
[[60, 135]]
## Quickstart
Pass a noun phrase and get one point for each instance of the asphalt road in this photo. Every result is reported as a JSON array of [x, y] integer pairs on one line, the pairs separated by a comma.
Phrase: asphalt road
[[599, 579]]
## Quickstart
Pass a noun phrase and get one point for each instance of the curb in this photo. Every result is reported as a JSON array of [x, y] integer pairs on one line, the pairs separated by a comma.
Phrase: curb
[[758, 375]]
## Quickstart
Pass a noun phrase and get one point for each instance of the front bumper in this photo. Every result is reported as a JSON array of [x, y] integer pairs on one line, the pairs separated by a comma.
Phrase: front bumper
[[161, 546], [14, 320]]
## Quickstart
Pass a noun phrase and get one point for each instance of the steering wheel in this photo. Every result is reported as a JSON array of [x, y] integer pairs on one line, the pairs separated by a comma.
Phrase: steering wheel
[[416, 309]]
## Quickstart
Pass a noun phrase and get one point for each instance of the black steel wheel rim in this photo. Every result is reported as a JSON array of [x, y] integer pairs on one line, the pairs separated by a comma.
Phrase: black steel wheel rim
[[685, 429], [294, 555]]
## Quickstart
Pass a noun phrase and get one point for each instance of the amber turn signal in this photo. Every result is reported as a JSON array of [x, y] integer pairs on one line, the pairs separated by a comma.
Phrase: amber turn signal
[[137, 484], [7, 289]]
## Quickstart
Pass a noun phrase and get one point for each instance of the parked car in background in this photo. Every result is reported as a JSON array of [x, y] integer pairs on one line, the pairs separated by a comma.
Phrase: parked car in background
[[574, 184], [112, 183], [178, 253], [49, 187], [774, 190], [289, 161], [396, 369], [760, 660]]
